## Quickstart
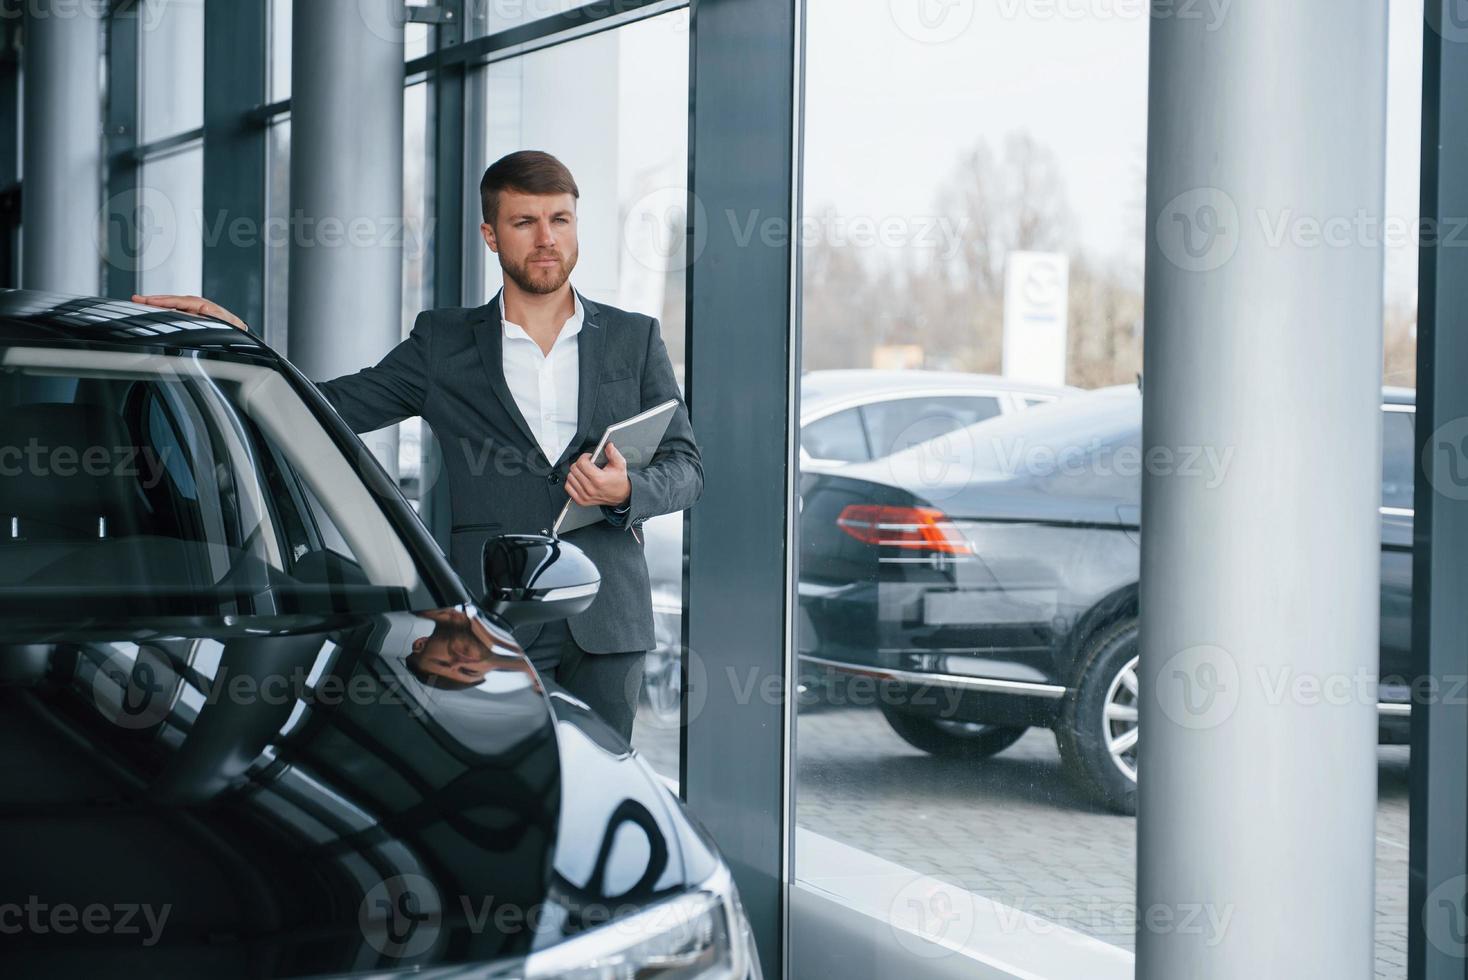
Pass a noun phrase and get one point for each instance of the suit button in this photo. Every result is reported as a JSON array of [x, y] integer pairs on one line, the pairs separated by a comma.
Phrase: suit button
[[554, 479]]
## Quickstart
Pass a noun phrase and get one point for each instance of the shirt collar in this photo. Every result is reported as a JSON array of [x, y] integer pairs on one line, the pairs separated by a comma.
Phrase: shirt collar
[[569, 329]]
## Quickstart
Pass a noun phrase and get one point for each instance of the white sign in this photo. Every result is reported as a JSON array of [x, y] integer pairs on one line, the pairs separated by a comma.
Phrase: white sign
[[1036, 303]]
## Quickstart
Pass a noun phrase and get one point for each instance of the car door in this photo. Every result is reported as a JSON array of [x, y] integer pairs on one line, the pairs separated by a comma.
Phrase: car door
[[1397, 471]]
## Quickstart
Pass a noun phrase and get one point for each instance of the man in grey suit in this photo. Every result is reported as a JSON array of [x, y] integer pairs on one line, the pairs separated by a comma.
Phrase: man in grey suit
[[518, 393]]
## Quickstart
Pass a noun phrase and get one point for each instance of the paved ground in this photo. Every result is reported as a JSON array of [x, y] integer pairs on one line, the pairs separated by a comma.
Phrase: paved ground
[[1011, 828]]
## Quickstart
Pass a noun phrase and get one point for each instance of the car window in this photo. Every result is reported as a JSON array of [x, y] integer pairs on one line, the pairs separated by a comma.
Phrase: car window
[[181, 486], [1397, 454], [839, 437], [897, 425]]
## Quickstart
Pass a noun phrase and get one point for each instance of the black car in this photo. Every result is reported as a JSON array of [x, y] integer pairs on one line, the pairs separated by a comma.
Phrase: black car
[[254, 725], [988, 579]]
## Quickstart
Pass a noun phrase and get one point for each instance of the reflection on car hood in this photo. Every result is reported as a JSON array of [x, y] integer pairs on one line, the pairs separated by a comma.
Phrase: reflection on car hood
[[295, 797]]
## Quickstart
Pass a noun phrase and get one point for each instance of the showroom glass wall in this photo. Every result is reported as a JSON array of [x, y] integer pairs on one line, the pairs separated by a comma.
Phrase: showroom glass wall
[[626, 141], [632, 214], [916, 228], [966, 739]]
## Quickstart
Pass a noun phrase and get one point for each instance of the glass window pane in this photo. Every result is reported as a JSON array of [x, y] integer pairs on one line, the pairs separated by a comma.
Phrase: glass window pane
[[902, 424], [280, 49], [171, 39], [1397, 459], [417, 262], [1007, 549], [171, 241], [837, 437], [230, 499], [613, 107], [958, 558], [278, 237], [492, 16]]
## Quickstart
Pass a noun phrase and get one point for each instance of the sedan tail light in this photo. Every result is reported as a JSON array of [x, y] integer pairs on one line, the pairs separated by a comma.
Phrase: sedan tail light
[[915, 528]]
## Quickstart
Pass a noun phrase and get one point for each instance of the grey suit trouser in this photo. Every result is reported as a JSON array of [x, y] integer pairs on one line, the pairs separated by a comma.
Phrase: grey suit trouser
[[609, 683]]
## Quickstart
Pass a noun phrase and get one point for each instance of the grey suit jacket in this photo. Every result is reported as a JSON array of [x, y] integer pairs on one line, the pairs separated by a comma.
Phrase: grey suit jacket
[[449, 371]]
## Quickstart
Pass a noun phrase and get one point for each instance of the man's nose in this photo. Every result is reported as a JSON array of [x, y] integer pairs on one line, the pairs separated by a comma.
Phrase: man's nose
[[544, 235]]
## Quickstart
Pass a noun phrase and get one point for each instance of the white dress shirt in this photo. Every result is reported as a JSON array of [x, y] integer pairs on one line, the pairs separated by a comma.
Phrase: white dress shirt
[[545, 386]]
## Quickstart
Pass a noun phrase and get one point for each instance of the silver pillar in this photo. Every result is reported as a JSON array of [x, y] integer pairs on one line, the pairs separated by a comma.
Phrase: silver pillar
[[346, 190], [62, 156], [1259, 591]]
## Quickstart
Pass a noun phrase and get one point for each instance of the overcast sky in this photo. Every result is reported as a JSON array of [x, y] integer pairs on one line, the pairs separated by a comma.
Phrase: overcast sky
[[891, 104]]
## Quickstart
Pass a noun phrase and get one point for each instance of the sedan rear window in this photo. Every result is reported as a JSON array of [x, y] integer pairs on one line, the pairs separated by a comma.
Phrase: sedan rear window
[[139, 484]]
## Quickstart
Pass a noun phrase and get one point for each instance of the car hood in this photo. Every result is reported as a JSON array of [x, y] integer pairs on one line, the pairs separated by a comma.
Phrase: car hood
[[320, 796]]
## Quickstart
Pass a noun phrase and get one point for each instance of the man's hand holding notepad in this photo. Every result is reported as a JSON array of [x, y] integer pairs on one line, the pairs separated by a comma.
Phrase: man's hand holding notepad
[[637, 439]]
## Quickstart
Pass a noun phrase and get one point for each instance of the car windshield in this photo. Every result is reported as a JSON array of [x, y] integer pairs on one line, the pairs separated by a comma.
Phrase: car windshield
[[137, 484]]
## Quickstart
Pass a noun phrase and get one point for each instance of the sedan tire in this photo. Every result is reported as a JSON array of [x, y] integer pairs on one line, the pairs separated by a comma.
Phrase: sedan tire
[[951, 739], [1098, 730]]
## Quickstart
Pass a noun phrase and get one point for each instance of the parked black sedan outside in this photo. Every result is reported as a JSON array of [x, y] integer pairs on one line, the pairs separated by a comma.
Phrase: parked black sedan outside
[[988, 580], [254, 726]]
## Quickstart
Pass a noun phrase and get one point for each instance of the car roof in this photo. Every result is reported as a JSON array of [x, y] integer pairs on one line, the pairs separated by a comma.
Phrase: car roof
[[821, 386], [29, 316]]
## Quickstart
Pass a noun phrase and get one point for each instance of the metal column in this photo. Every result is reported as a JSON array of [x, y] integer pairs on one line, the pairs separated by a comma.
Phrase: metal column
[[1438, 863], [741, 346], [61, 199], [235, 34], [346, 189], [1260, 595]]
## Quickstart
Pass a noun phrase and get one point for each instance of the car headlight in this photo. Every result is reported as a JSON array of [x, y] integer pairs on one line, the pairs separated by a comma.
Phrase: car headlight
[[700, 935]]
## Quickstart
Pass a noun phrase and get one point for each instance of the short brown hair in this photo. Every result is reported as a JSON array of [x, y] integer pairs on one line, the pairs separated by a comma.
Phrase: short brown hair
[[526, 171]]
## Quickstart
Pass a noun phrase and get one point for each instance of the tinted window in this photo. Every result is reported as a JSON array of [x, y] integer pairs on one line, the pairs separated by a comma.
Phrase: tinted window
[[838, 437], [175, 486], [896, 425], [1396, 458]]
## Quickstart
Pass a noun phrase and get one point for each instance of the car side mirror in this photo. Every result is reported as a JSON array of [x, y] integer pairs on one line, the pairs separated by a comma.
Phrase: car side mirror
[[530, 578]]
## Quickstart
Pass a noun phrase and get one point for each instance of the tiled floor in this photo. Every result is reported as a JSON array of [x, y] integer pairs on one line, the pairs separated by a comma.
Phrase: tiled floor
[[1011, 828]]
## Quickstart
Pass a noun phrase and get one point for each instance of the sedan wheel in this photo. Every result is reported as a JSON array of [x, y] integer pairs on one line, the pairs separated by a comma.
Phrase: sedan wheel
[[1121, 719], [1097, 731], [951, 739]]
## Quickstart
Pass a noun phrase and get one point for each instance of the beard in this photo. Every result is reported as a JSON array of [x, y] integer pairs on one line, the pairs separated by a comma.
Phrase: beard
[[540, 280]]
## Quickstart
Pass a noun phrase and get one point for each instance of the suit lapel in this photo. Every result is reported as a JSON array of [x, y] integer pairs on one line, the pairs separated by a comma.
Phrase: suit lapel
[[590, 344], [490, 335]]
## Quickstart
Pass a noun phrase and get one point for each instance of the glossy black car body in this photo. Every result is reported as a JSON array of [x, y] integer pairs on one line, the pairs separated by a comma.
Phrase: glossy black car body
[[984, 576], [286, 771]]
